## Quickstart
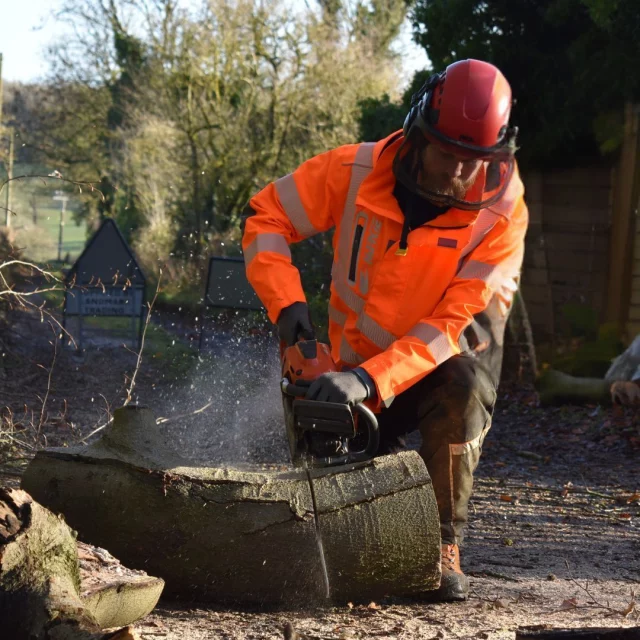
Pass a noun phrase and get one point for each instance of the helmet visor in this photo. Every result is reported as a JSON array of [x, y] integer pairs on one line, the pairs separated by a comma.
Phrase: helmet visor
[[482, 177]]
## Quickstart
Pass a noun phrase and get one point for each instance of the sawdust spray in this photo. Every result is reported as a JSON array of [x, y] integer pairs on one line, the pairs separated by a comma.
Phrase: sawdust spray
[[244, 423]]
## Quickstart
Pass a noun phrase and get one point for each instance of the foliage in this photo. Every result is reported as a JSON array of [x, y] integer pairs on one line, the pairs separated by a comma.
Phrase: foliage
[[380, 117], [182, 114], [584, 347], [374, 22], [568, 62]]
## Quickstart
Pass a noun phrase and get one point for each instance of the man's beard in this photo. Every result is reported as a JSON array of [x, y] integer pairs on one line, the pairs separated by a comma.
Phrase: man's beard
[[443, 185]]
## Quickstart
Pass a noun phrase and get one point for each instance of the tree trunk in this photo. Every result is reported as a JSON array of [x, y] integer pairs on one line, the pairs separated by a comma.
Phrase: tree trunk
[[555, 388], [39, 576], [246, 535], [520, 362]]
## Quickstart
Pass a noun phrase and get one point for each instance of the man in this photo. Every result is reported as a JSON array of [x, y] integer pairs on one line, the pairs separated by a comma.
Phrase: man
[[430, 226]]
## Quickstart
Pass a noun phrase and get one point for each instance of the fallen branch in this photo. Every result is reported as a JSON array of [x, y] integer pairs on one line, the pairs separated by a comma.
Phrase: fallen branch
[[96, 430], [46, 395], [132, 381], [184, 415], [597, 604]]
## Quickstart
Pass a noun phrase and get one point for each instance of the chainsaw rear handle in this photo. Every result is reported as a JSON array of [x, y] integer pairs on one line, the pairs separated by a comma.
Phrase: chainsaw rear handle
[[373, 430]]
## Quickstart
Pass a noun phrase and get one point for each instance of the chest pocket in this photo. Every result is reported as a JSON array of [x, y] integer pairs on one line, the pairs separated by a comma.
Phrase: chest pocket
[[367, 248], [407, 288]]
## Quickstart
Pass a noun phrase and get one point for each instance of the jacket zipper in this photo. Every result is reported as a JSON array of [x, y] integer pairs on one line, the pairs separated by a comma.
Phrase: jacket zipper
[[355, 250]]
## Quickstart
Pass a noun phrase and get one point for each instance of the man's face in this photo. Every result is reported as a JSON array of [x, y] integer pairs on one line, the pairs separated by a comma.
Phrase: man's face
[[447, 174]]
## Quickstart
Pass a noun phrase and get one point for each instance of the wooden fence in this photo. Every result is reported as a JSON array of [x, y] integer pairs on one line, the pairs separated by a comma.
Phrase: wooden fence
[[583, 244], [567, 252]]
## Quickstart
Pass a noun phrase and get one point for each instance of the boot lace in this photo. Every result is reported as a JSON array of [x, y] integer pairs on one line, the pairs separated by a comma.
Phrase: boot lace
[[448, 556]]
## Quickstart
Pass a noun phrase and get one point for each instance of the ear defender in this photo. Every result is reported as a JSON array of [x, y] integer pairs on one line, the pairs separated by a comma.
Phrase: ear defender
[[420, 101]]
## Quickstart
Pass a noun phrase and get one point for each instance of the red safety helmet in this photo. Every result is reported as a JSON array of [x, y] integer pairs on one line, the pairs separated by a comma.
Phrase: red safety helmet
[[464, 110]]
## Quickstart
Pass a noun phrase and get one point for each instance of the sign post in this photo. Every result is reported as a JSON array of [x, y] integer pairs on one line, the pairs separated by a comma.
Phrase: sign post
[[106, 281], [64, 198]]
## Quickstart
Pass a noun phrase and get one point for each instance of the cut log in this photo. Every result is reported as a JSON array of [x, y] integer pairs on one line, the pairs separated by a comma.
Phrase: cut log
[[246, 534], [627, 365], [555, 388], [39, 576], [114, 594], [602, 633]]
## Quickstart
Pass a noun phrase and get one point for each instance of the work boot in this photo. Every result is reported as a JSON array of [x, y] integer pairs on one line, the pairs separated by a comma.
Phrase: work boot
[[454, 585]]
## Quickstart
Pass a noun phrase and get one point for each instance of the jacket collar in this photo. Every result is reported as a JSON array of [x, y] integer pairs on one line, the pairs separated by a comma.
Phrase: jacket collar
[[376, 191]]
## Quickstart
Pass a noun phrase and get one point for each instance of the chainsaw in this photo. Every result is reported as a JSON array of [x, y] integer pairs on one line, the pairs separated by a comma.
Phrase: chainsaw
[[322, 434]]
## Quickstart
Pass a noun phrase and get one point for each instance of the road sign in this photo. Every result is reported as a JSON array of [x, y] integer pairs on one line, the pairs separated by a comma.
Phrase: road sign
[[228, 288], [106, 281]]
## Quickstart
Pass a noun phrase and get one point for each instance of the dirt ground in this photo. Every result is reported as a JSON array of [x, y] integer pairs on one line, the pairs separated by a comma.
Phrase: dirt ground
[[554, 537]]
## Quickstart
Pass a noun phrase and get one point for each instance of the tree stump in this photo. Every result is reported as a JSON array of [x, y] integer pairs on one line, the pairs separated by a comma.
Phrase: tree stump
[[246, 534], [40, 578]]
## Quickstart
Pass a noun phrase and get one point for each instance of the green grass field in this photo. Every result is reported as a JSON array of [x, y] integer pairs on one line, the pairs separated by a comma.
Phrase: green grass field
[[37, 216]]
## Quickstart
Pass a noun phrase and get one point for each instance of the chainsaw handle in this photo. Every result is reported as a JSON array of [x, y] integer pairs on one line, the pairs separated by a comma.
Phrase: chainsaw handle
[[373, 430]]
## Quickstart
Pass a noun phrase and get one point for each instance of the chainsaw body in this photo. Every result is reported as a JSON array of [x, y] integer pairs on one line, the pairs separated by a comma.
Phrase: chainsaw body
[[322, 434]]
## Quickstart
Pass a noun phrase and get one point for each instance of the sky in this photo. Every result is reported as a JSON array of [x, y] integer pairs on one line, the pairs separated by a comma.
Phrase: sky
[[27, 26]]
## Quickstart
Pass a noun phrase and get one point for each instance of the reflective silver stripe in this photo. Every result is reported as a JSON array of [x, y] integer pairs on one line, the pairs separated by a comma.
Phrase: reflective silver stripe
[[363, 163], [478, 270], [273, 242], [374, 332], [337, 316], [485, 221], [467, 447], [293, 207], [437, 341], [387, 401], [348, 355], [346, 294], [360, 169]]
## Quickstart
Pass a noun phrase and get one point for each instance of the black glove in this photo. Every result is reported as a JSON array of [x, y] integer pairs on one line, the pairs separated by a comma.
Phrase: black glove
[[294, 323], [344, 387]]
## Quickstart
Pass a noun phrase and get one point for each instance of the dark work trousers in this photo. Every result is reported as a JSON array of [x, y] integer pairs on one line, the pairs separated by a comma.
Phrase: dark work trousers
[[452, 408]]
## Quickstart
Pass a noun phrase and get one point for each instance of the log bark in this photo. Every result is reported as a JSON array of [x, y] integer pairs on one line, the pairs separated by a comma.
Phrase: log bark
[[246, 535], [39, 576]]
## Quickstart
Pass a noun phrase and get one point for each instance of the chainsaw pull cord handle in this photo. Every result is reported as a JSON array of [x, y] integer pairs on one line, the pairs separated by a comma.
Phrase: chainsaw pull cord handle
[[294, 390]]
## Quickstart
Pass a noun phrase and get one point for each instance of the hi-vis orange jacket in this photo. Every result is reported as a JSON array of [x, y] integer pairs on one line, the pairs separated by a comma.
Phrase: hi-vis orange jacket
[[396, 316]]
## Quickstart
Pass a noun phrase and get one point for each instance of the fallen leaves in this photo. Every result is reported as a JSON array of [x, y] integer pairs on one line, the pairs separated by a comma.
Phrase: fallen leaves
[[500, 604], [569, 604]]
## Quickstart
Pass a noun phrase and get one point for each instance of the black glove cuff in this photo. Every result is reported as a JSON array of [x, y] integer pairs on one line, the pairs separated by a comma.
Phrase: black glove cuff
[[367, 381]]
